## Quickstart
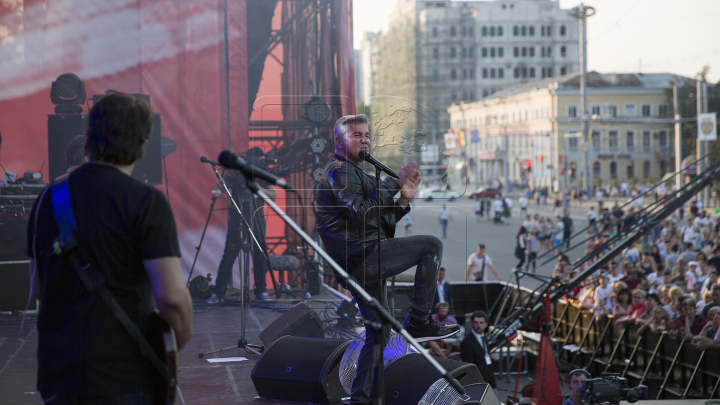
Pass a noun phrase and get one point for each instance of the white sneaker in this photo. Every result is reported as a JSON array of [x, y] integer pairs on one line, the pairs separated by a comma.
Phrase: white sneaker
[[213, 299]]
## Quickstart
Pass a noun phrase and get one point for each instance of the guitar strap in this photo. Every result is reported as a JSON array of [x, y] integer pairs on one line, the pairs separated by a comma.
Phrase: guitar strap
[[67, 246]]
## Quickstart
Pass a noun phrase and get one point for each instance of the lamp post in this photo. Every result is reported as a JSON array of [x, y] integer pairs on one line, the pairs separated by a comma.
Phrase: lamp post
[[582, 12]]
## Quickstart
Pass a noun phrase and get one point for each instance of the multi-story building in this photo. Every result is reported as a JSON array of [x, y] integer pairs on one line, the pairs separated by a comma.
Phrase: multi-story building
[[631, 130], [437, 53]]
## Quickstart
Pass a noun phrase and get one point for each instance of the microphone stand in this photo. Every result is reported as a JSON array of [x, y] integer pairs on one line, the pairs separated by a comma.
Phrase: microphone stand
[[378, 330], [244, 276], [381, 314]]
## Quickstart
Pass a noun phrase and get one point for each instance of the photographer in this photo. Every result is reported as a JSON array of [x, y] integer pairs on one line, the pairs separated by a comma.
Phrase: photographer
[[576, 378], [252, 209]]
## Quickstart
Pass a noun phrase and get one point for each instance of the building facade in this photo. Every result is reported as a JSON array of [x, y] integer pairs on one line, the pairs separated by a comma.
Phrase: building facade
[[437, 53], [538, 125]]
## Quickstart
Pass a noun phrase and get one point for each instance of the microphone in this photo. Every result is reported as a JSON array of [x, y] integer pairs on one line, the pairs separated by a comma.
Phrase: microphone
[[212, 162], [232, 161], [368, 158]]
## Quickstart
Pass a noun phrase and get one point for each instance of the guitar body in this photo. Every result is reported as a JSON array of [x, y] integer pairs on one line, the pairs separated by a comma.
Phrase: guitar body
[[161, 337]]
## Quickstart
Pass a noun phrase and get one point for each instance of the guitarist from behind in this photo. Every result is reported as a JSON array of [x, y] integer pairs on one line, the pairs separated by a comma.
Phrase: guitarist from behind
[[126, 233]]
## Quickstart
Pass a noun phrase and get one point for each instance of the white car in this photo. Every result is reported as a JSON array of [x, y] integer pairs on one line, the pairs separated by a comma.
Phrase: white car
[[437, 193]]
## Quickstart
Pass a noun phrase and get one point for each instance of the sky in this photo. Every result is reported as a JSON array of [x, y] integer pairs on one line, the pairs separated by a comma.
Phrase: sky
[[624, 36]]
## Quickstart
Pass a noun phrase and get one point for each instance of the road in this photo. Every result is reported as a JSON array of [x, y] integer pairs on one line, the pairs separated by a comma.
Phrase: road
[[465, 232]]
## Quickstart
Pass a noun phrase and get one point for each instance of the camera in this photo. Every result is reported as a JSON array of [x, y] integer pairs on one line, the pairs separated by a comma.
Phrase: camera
[[611, 389]]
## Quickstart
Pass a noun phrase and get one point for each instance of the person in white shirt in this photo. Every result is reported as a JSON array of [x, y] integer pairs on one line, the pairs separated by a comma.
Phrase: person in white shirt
[[599, 196], [478, 209], [498, 206], [527, 223], [559, 230], [476, 264], [523, 206], [592, 216], [443, 219], [639, 202], [688, 233]]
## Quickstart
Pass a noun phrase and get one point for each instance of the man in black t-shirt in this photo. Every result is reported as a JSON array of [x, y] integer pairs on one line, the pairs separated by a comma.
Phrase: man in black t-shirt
[[568, 228], [127, 232]]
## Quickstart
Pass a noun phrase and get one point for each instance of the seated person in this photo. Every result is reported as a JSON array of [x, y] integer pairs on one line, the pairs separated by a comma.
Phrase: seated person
[[441, 316], [576, 378], [688, 323]]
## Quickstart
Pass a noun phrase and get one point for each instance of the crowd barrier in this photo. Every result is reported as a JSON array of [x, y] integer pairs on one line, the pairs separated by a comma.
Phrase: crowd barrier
[[671, 367]]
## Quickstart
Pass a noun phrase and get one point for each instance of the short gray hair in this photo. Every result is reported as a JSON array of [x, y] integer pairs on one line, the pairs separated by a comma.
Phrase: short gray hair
[[341, 125]]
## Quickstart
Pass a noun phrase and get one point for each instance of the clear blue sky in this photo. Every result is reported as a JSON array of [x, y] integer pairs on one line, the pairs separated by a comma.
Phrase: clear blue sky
[[675, 36]]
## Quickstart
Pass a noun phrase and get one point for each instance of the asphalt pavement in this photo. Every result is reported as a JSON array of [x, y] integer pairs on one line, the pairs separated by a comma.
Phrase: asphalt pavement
[[465, 232]]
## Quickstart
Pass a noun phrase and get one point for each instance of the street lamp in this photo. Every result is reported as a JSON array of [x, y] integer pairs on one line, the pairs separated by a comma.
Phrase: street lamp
[[582, 12]]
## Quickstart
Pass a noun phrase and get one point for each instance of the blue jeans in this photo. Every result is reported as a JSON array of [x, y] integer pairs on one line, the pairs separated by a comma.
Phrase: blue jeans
[[132, 398], [444, 223], [233, 244], [398, 255]]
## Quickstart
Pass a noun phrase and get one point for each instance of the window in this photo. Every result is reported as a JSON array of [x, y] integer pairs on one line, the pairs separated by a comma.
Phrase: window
[[484, 31], [464, 31], [524, 71], [472, 73], [572, 110], [647, 141], [516, 30], [485, 73], [453, 52], [542, 31], [523, 31], [492, 52], [501, 73], [542, 51], [595, 138], [484, 52], [532, 31], [524, 51], [516, 51], [492, 73], [531, 51], [647, 169], [631, 170], [549, 51], [563, 71], [613, 170], [465, 73], [563, 50], [471, 51], [485, 94], [500, 31], [573, 144], [549, 72], [471, 31], [453, 74], [492, 31], [562, 30], [597, 170], [501, 52], [613, 141], [663, 110], [517, 72], [612, 110], [663, 168], [453, 31], [435, 32], [595, 110], [662, 140], [532, 72], [548, 31], [629, 141], [472, 95], [464, 97], [646, 110], [436, 53], [630, 110]]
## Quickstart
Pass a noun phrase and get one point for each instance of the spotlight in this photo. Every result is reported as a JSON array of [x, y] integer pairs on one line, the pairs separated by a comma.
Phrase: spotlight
[[317, 111], [68, 94], [318, 145], [317, 174]]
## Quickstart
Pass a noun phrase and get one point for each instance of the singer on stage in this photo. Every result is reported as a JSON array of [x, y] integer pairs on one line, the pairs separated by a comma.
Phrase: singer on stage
[[346, 219]]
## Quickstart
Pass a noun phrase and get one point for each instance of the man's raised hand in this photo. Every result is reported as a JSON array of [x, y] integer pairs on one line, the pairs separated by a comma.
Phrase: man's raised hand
[[405, 172]]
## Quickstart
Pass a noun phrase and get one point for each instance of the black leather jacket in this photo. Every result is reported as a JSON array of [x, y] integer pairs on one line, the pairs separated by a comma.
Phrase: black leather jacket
[[345, 213]]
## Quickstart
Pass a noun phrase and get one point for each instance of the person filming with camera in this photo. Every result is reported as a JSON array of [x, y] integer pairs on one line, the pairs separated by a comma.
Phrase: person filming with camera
[[576, 380]]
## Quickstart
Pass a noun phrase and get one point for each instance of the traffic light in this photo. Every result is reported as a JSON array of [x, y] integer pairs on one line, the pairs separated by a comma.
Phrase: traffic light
[[562, 170], [573, 170], [528, 164]]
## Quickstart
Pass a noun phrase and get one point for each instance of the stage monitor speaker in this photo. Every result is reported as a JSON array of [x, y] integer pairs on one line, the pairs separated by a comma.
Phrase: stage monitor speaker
[[15, 285], [299, 320], [62, 128], [301, 369], [408, 378], [13, 239]]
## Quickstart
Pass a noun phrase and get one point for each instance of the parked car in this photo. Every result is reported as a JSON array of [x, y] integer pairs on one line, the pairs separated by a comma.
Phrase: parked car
[[486, 192], [437, 193]]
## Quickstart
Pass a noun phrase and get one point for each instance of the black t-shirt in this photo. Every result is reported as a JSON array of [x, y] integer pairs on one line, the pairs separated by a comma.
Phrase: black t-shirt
[[83, 350], [567, 222]]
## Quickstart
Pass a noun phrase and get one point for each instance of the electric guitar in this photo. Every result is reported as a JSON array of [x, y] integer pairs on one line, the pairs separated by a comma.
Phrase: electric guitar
[[161, 337]]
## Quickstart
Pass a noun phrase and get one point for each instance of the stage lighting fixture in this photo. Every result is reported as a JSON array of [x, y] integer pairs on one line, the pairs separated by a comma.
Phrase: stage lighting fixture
[[317, 111], [317, 174], [68, 94], [318, 145]]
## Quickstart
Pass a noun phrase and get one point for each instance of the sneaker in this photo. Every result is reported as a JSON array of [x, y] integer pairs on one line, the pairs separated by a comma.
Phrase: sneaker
[[263, 297], [213, 299], [429, 330]]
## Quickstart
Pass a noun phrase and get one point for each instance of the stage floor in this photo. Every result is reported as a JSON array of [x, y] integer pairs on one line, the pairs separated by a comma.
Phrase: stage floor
[[201, 382]]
